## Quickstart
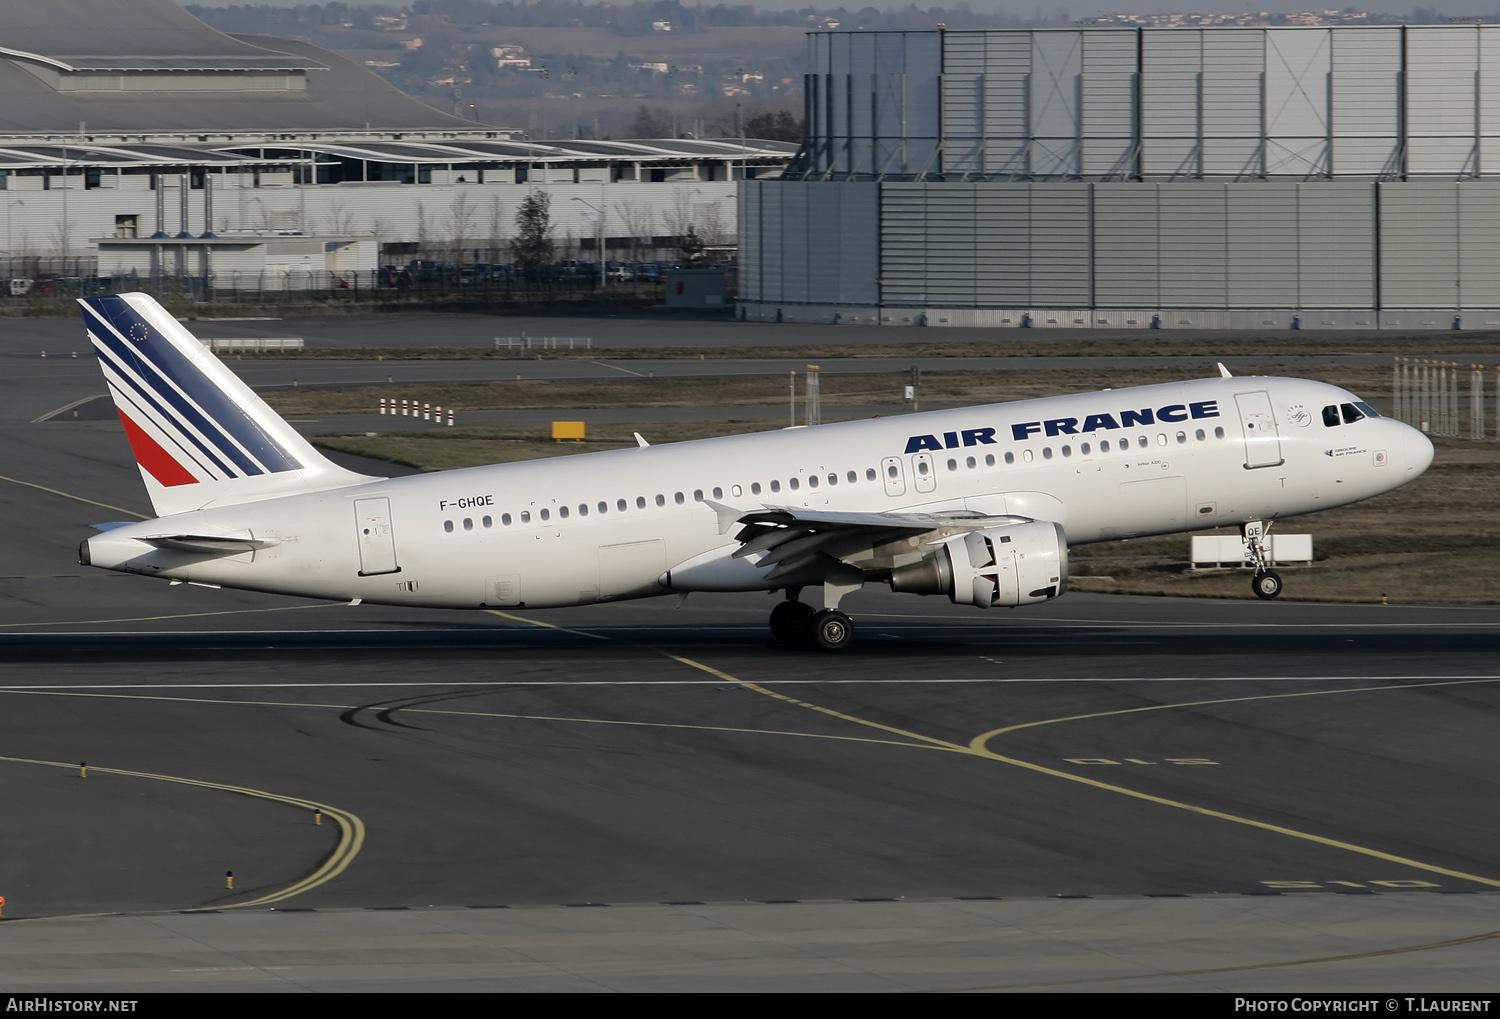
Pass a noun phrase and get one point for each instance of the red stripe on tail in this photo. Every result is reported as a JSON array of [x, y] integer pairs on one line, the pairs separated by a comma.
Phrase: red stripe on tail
[[160, 464]]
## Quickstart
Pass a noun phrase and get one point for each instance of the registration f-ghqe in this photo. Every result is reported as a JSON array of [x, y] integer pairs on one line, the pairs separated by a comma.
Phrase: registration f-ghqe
[[978, 504]]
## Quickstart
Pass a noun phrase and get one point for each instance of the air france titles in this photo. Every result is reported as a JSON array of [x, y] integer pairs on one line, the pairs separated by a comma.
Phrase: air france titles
[[1172, 413]]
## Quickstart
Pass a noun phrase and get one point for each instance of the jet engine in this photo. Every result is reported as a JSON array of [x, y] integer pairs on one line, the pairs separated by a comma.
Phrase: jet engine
[[1017, 564]]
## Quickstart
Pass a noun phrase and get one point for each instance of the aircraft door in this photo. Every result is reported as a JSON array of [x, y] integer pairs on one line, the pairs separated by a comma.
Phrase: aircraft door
[[923, 472], [377, 542], [894, 476], [1262, 441]]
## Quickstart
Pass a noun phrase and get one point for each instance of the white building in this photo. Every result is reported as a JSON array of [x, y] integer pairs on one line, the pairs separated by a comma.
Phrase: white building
[[131, 119]]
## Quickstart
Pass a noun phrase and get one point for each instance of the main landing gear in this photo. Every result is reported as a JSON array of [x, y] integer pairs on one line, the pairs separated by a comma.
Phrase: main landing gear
[[797, 624], [1267, 582]]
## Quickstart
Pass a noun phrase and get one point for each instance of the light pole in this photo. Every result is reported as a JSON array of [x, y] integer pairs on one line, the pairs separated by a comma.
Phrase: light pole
[[599, 233]]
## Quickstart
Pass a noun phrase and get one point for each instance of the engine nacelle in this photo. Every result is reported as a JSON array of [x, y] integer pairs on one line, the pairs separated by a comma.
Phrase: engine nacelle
[[1013, 565]]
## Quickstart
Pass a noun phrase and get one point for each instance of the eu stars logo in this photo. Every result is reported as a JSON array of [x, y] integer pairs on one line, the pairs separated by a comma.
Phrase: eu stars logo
[[139, 332]]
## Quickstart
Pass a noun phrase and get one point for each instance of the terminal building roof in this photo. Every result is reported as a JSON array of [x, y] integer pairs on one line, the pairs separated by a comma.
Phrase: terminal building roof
[[147, 66], [139, 35]]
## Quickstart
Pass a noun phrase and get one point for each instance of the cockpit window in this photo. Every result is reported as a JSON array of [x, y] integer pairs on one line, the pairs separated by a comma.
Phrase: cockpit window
[[1330, 415], [1351, 413], [1366, 409]]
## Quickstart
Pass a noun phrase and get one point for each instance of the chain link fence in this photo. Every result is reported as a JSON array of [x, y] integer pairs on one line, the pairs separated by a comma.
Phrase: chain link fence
[[34, 284]]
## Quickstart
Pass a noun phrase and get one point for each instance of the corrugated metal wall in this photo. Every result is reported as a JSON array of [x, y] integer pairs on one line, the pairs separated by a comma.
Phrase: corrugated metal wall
[[809, 242], [1104, 104], [1124, 245]]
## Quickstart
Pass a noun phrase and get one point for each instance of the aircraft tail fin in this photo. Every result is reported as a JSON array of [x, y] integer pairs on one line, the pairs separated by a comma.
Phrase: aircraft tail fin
[[200, 435]]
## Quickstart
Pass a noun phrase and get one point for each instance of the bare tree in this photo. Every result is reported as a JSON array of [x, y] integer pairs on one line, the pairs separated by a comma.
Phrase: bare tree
[[679, 214], [711, 225], [460, 216], [637, 221], [340, 219], [497, 228]]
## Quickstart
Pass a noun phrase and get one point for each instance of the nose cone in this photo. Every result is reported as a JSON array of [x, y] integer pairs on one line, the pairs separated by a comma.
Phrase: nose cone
[[1418, 452]]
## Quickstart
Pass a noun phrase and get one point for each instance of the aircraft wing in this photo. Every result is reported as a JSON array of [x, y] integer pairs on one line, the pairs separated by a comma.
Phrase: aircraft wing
[[793, 539]]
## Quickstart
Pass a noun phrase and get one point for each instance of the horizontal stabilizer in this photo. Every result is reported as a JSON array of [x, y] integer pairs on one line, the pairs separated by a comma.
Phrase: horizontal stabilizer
[[215, 543]]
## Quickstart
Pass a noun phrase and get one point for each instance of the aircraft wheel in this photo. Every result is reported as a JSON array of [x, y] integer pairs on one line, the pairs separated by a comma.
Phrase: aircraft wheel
[[832, 630], [1266, 585], [792, 622]]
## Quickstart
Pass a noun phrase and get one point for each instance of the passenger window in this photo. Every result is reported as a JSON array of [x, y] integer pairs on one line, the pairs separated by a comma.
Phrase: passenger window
[[544, 514], [870, 473], [505, 519], [921, 469], [851, 477], [1010, 458], [562, 511], [448, 526], [1142, 442], [583, 509], [1067, 451], [989, 459], [1026, 455], [697, 495], [1218, 433], [718, 493], [953, 465], [1351, 414], [1161, 438], [640, 502], [526, 516], [833, 479], [1083, 448], [971, 463], [738, 491], [1199, 435], [892, 470], [468, 523], [661, 500], [678, 498], [1181, 437], [1330, 415], [487, 522], [812, 481], [1104, 445], [1046, 452], [603, 507], [620, 505], [755, 488], [794, 483]]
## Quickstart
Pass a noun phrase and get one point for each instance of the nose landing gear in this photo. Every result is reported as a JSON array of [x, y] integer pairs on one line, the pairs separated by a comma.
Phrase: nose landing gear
[[1267, 582]]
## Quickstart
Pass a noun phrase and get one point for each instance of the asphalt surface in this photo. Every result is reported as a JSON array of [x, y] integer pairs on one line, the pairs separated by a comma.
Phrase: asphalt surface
[[1222, 784]]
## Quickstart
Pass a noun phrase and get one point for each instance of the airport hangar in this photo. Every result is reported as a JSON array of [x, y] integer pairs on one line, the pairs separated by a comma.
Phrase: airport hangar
[[129, 119], [1252, 178]]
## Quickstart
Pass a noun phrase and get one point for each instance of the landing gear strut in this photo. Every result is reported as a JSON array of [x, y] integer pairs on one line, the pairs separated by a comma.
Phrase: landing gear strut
[[1266, 583]]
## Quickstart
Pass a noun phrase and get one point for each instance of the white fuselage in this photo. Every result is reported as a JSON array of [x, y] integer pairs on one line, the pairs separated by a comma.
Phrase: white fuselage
[[646, 521]]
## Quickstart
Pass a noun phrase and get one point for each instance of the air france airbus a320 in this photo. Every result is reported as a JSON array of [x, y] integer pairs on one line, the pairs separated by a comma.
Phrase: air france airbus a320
[[978, 504]]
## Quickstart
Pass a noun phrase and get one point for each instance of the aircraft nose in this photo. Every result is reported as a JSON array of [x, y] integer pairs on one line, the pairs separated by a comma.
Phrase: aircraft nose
[[1419, 451]]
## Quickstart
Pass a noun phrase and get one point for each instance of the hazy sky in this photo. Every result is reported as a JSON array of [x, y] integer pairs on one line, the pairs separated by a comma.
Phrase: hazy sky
[[1079, 8]]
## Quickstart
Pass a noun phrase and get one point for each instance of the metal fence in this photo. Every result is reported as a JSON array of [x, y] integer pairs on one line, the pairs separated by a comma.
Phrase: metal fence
[[319, 285], [1443, 397]]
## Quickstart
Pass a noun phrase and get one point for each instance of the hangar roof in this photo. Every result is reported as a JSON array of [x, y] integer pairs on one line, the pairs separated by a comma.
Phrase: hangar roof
[[150, 35]]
